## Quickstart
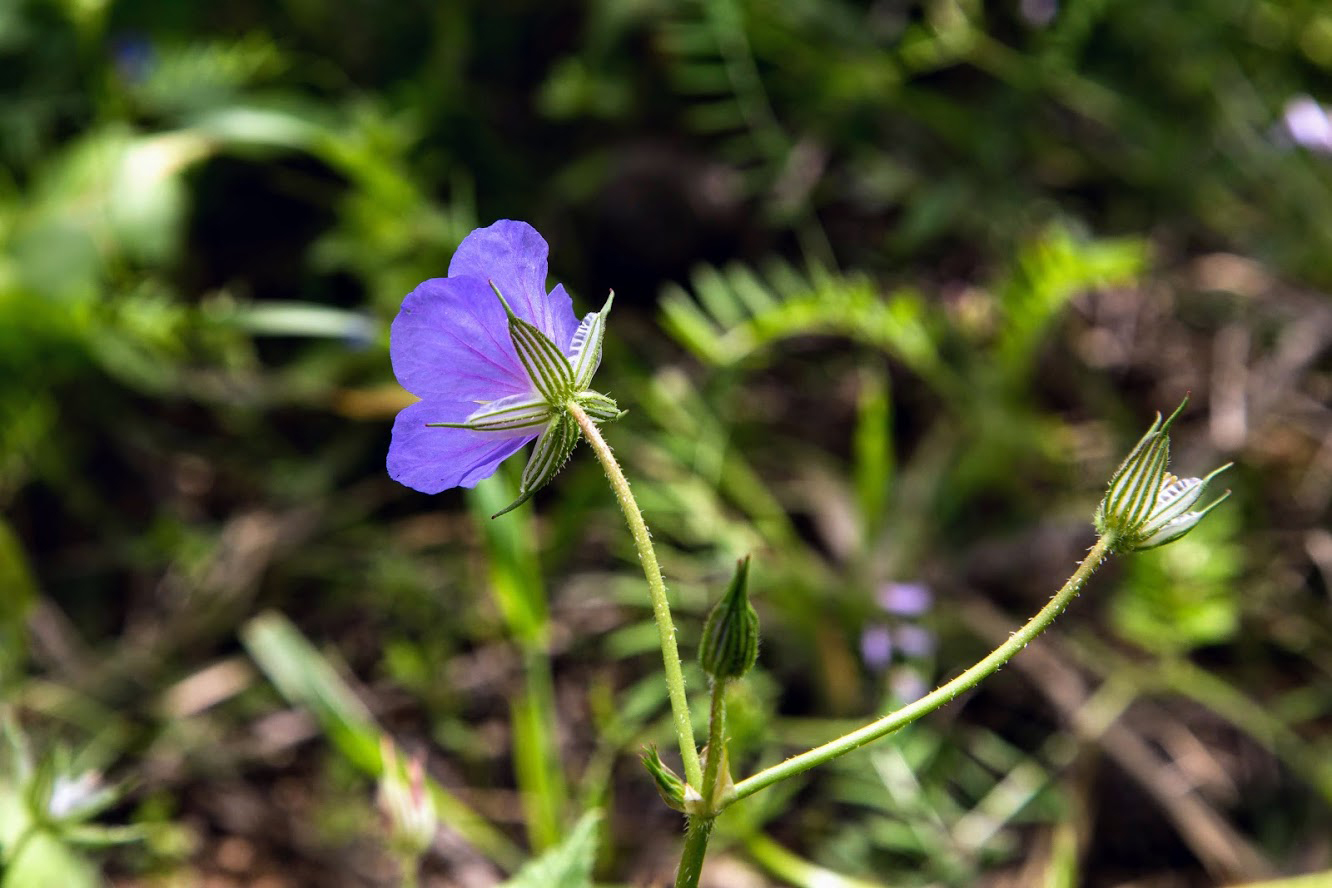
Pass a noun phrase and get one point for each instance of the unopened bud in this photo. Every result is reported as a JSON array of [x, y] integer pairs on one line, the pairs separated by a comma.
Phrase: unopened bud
[[406, 802], [731, 634]]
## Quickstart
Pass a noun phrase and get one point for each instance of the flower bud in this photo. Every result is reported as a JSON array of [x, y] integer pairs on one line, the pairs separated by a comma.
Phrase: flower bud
[[1146, 506], [731, 634], [406, 802]]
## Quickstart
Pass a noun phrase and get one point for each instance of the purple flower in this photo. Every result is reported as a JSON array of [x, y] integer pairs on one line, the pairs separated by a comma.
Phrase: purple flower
[[1309, 124], [876, 647], [1038, 13], [497, 361], [915, 641], [907, 684], [905, 599], [902, 637]]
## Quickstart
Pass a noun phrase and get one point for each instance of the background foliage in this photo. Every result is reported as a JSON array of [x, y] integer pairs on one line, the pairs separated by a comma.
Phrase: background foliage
[[896, 284]]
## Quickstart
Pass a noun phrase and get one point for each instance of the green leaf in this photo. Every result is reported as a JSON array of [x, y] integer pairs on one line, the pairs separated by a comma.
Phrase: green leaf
[[569, 864], [292, 318], [305, 678]]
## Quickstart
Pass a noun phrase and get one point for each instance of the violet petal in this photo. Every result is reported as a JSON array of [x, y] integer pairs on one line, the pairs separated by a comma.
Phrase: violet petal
[[512, 256], [905, 599], [915, 641], [876, 647], [431, 459], [451, 341]]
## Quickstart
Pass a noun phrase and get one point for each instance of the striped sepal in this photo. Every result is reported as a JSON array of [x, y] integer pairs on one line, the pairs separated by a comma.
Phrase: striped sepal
[[546, 365], [586, 346], [515, 413], [548, 457]]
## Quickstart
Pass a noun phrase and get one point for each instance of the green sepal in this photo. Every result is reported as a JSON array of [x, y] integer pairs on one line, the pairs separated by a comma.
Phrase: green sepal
[[598, 406], [669, 785], [552, 450], [586, 345], [550, 371], [731, 635], [1178, 527], [511, 413]]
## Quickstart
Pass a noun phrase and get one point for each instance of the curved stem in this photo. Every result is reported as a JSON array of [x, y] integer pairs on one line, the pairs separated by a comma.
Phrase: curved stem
[[940, 696], [661, 608]]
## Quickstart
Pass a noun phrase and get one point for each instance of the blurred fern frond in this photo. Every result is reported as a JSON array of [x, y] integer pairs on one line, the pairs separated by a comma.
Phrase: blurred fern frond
[[736, 314], [195, 75]]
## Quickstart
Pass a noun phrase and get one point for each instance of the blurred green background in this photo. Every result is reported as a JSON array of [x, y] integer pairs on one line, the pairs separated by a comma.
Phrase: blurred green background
[[897, 285]]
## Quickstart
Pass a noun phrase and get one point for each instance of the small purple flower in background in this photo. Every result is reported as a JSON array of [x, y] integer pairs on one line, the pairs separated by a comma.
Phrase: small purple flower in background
[[905, 599], [876, 646], [915, 641], [1308, 124], [496, 361], [907, 685], [1038, 13], [901, 637]]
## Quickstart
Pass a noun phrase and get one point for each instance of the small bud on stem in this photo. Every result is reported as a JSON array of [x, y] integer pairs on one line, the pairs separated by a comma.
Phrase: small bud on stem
[[731, 634]]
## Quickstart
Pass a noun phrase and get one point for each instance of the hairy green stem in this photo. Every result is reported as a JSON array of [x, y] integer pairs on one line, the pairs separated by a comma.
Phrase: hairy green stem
[[716, 741], [942, 695], [661, 608], [700, 825], [695, 846]]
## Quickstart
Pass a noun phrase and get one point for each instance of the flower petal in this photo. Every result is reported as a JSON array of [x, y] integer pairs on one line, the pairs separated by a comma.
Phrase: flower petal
[[434, 459], [451, 341], [562, 318], [512, 255]]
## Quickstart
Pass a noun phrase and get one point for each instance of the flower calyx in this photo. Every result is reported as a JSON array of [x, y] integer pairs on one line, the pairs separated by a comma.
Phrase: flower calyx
[[1145, 505], [557, 381]]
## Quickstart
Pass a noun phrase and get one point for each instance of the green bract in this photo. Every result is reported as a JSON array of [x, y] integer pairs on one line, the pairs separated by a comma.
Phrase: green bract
[[1146, 506], [669, 785]]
